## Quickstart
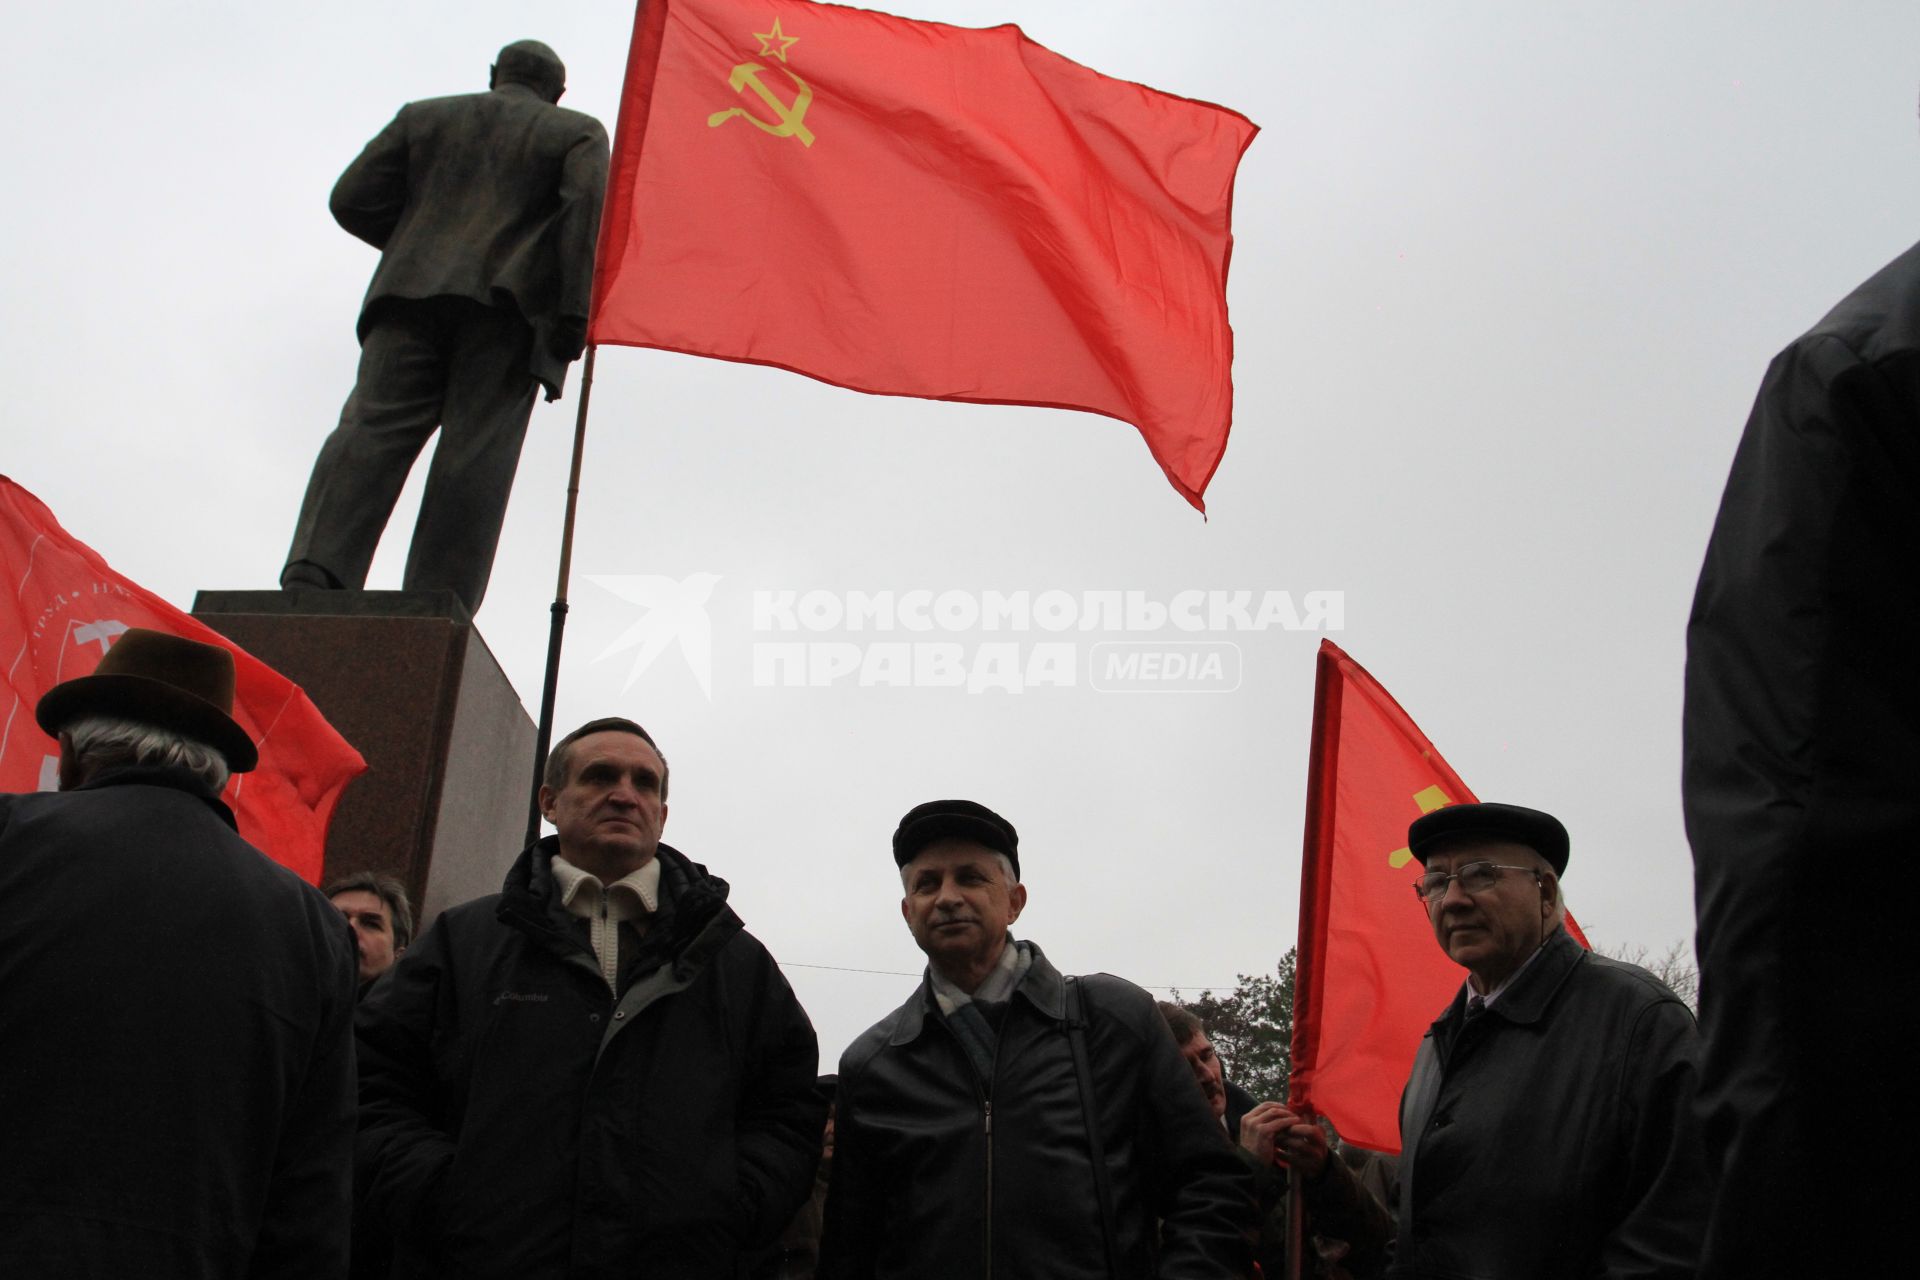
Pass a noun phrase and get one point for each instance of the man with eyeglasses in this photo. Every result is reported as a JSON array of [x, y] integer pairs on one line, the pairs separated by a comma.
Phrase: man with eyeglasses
[[1547, 1129]]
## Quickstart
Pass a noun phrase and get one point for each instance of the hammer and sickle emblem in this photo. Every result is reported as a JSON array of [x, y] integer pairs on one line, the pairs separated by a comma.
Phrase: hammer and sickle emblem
[[792, 119], [1430, 799]]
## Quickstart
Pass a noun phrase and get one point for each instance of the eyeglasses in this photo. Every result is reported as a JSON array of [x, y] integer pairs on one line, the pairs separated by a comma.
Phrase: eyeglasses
[[1475, 877]]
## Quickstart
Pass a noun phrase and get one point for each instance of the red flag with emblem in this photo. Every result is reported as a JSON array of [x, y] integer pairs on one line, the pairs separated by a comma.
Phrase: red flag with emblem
[[909, 208], [64, 607], [1370, 977]]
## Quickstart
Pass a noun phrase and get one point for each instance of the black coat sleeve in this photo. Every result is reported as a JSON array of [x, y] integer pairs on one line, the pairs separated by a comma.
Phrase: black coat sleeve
[[1802, 744], [404, 1146], [1203, 1191], [1341, 1207], [1664, 1189], [852, 1229], [305, 1224], [782, 1117]]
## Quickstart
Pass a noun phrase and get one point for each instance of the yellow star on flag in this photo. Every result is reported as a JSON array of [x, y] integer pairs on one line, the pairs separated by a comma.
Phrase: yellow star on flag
[[768, 39]]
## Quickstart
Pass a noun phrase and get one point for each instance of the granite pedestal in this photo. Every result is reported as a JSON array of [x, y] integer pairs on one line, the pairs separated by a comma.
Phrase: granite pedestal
[[407, 680]]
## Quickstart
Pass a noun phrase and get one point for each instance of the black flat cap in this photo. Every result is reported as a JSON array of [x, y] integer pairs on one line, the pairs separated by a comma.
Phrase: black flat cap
[[954, 819], [1539, 831]]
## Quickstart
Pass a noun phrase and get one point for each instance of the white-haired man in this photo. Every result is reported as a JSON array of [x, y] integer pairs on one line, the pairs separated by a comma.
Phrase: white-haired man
[[175, 1009], [1547, 1128]]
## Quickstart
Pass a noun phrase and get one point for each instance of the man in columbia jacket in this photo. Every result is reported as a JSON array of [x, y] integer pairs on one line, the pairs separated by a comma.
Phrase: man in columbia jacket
[[596, 1072]]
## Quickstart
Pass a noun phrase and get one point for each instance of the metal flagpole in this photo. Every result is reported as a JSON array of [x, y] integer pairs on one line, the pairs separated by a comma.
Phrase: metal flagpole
[[543, 737]]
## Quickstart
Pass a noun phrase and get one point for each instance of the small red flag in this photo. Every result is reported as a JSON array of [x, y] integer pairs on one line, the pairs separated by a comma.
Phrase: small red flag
[[64, 607], [909, 208], [1370, 977]]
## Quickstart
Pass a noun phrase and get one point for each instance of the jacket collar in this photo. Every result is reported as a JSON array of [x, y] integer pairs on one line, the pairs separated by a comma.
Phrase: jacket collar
[[690, 898], [144, 775], [1043, 988], [1530, 998], [514, 89]]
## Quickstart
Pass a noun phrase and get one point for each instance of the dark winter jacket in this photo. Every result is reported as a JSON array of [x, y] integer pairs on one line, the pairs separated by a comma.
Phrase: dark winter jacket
[[176, 1051], [937, 1176], [518, 1120], [1553, 1136], [1802, 787]]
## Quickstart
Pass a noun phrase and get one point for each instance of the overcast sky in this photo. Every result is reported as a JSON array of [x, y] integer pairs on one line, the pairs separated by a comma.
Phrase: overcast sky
[[1506, 276]]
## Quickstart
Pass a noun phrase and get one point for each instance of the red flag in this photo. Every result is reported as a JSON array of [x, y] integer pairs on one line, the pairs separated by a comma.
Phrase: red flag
[[1370, 977], [909, 208], [64, 607]]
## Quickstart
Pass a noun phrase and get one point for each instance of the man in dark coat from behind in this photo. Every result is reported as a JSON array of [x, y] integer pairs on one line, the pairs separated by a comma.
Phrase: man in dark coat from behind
[[1802, 790], [176, 1054], [595, 1073], [485, 207]]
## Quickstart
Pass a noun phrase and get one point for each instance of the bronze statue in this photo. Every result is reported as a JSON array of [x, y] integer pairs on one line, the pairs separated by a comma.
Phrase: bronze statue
[[485, 208]]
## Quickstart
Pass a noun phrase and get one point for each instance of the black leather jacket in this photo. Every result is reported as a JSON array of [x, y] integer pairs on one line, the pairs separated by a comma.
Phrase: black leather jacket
[[938, 1174]]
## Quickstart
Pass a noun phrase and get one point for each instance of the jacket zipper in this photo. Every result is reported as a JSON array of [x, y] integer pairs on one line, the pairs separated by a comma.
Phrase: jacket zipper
[[614, 983], [986, 1121], [988, 1105]]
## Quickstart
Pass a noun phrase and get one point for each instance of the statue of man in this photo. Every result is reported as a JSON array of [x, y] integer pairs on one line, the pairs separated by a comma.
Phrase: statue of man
[[485, 208]]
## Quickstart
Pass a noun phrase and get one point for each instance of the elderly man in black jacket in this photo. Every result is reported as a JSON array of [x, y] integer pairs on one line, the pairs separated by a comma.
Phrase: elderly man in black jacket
[[484, 207], [176, 1047], [1007, 1122], [1547, 1128], [595, 1073]]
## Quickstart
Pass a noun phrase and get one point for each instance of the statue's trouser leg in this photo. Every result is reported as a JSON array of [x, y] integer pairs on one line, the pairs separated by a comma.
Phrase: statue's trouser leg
[[490, 391], [394, 408]]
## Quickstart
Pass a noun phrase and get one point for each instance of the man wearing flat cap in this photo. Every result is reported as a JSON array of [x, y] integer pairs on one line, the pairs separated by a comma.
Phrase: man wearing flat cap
[[176, 1057], [1008, 1122], [597, 1071], [1547, 1127]]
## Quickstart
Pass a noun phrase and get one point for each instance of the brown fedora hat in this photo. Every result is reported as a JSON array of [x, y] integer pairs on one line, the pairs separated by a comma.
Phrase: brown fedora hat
[[159, 679]]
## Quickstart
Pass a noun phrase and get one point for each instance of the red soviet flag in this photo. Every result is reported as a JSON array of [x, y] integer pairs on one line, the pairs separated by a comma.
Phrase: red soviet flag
[[909, 208], [64, 607], [1370, 977]]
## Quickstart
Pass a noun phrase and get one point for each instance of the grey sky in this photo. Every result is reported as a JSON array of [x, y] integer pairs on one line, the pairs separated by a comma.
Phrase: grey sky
[[1506, 277]]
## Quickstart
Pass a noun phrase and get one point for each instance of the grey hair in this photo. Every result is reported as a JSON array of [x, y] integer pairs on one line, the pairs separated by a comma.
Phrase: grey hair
[[1006, 870], [102, 742], [1547, 874]]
